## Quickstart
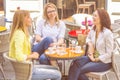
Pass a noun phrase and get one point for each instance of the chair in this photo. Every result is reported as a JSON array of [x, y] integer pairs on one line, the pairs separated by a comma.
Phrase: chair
[[23, 70], [83, 6], [91, 2], [4, 41], [2, 20], [116, 57], [117, 21], [106, 75], [99, 75], [60, 6], [1, 68], [4, 46]]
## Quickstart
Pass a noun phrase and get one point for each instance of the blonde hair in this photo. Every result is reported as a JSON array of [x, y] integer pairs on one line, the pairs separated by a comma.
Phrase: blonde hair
[[45, 11], [19, 22]]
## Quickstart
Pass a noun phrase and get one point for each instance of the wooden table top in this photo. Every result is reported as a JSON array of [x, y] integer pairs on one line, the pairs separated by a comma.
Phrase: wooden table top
[[69, 54]]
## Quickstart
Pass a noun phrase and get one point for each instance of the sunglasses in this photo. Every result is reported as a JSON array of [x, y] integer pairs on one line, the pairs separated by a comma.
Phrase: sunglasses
[[51, 11]]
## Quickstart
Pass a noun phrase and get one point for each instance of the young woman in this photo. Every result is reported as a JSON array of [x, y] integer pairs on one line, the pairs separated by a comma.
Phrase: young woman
[[50, 30], [20, 47], [100, 42]]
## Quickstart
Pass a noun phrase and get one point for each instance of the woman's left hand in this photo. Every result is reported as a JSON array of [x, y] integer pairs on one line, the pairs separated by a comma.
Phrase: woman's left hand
[[53, 44], [90, 55]]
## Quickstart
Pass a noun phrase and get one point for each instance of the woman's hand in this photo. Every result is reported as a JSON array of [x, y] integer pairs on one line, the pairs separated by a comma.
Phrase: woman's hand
[[37, 38], [60, 41], [53, 44], [91, 47], [90, 55], [34, 55]]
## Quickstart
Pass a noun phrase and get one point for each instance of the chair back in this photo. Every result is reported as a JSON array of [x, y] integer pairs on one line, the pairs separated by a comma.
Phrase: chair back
[[4, 41], [76, 3], [116, 62], [2, 20], [23, 70]]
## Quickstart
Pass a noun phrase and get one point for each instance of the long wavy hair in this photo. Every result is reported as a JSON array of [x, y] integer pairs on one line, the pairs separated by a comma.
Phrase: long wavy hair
[[45, 16], [19, 22], [104, 19]]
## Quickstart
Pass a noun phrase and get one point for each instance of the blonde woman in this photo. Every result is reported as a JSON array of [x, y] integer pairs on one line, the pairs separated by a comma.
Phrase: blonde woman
[[49, 30], [20, 48]]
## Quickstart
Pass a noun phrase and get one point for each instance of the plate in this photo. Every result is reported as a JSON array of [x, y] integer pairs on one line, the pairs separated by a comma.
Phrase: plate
[[2, 28]]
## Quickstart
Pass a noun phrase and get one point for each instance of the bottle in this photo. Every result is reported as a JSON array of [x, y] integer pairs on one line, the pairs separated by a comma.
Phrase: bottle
[[86, 25]]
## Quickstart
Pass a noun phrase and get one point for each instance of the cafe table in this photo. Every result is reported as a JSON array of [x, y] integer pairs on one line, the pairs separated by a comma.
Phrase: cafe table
[[69, 55]]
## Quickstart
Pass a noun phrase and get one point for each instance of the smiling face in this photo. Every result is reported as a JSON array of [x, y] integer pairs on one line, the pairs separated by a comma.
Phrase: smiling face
[[101, 19], [96, 18], [51, 12], [28, 21]]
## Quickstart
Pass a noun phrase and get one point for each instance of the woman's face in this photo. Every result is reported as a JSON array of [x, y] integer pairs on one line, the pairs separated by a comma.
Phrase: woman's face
[[51, 12], [28, 21], [96, 19]]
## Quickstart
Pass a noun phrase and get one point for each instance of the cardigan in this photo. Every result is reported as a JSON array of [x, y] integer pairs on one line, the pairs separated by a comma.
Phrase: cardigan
[[104, 44], [19, 46]]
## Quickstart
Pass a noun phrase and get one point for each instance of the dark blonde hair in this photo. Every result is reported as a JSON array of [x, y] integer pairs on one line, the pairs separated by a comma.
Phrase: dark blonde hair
[[18, 22], [104, 19], [45, 11]]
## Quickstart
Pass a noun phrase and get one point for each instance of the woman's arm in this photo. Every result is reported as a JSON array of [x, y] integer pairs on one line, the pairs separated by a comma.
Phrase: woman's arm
[[109, 45], [33, 55], [39, 25]]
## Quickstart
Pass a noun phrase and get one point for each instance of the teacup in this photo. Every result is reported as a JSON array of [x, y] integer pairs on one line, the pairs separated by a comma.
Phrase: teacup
[[51, 50], [77, 49]]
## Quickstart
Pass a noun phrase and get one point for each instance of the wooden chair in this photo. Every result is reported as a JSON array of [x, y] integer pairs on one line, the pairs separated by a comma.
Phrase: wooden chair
[[60, 6], [23, 70], [91, 2], [83, 6]]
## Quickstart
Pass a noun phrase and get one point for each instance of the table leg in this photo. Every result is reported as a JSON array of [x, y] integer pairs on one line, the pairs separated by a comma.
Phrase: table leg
[[64, 66]]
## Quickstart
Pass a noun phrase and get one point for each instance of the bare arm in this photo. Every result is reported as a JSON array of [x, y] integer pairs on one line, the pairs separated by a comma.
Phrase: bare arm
[[33, 55]]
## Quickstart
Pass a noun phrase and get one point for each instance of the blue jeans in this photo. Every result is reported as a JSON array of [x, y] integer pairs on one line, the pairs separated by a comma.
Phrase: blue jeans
[[41, 47], [43, 72], [44, 60], [83, 65]]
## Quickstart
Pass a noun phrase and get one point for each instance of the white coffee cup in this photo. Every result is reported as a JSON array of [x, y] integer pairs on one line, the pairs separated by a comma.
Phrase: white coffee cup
[[51, 50], [77, 49]]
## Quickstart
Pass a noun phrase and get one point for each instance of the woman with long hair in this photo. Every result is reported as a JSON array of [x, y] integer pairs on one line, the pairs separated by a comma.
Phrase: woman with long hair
[[49, 32], [100, 42], [20, 47]]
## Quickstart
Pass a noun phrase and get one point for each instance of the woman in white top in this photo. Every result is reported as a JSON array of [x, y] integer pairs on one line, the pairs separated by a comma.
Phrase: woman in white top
[[100, 42], [50, 31]]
